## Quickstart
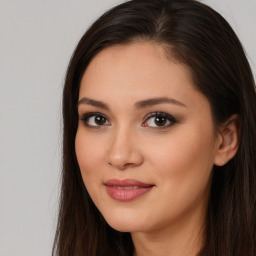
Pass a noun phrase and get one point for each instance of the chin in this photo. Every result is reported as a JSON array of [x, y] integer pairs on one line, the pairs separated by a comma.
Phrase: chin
[[124, 224], [122, 227]]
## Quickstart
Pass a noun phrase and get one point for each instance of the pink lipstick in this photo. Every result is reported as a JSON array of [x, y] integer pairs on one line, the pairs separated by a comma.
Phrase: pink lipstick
[[126, 190]]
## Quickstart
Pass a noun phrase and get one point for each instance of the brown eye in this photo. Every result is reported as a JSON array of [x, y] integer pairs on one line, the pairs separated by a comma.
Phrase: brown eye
[[94, 120], [100, 120], [159, 120]]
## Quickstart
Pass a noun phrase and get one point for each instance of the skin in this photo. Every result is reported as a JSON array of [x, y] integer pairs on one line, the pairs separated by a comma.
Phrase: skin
[[177, 158]]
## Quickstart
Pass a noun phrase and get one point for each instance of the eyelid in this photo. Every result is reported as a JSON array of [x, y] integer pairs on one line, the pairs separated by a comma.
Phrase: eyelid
[[84, 117], [89, 114], [169, 117]]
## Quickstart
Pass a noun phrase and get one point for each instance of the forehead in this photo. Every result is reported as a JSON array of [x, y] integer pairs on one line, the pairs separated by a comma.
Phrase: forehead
[[136, 71], [132, 65]]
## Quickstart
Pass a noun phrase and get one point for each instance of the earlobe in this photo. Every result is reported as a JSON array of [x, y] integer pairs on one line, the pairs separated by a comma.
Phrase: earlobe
[[228, 142]]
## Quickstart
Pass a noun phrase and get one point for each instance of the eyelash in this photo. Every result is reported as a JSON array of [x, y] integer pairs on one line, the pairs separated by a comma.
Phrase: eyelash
[[86, 117], [167, 118]]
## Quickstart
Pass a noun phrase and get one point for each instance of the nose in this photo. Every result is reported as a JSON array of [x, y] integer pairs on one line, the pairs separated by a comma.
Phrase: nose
[[123, 150]]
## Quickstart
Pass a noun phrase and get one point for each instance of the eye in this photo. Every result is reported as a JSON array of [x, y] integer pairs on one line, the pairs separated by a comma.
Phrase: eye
[[159, 120], [94, 120]]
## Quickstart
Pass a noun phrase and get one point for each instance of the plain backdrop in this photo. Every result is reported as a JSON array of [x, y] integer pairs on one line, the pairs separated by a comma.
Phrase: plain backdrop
[[37, 38]]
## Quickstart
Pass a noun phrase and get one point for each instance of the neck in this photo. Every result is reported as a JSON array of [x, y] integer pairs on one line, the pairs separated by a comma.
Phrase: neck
[[184, 238]]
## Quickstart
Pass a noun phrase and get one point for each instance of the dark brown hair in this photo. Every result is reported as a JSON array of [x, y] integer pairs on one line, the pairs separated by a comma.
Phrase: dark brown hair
[[196, 35]]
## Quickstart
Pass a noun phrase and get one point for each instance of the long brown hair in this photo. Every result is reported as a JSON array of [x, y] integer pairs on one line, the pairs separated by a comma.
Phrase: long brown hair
[[196, 35]]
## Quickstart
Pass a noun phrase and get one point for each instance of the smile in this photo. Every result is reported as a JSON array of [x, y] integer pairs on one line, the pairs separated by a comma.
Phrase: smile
[[126, 190], [131, 187]]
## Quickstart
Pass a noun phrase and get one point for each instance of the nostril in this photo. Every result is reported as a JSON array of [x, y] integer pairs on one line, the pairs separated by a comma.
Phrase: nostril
[[122, 166], [123, 157]]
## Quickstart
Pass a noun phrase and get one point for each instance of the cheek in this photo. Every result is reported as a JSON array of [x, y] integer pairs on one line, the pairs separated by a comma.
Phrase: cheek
[[88, 153], [183, 173], [179, 153], [185, 163]]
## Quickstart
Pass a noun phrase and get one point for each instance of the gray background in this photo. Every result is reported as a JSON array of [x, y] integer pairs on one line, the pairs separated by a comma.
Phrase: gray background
[[37, 38]]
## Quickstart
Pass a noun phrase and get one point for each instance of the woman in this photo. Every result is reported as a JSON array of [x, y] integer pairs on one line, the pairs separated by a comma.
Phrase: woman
[[159, 136]]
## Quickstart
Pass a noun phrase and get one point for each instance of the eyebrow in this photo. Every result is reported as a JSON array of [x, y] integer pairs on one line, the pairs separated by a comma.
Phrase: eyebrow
[[155, 101], [138, 105], [95, 103]]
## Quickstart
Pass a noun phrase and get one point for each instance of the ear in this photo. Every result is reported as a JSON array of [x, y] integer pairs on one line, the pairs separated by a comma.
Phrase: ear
[[228, 140]]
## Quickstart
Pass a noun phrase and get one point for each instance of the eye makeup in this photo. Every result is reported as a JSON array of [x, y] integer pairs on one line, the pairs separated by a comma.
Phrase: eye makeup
[[94, 120], [154, 120], [159, 120]]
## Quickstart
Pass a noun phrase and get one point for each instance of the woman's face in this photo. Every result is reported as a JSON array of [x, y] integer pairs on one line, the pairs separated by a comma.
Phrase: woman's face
[[145, 142]]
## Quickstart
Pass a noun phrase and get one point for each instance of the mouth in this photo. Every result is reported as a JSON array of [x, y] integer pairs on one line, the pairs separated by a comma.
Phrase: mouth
[[126, 190]]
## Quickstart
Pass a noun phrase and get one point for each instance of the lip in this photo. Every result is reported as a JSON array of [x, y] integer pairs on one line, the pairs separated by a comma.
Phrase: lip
[[126, 190]]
